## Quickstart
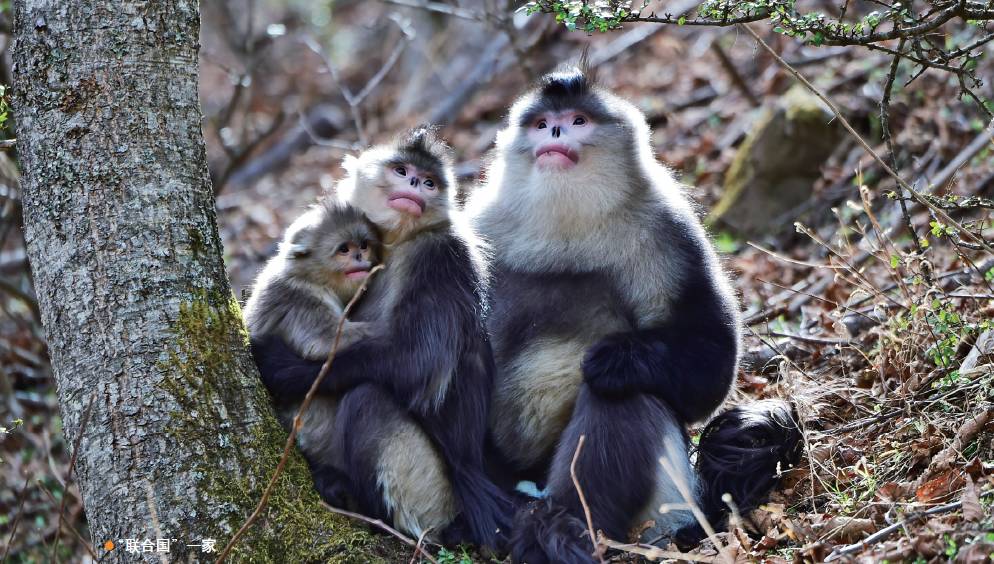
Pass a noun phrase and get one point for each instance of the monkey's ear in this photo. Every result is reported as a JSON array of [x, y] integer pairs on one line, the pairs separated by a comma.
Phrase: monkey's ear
[[351, 164], [299, 250]]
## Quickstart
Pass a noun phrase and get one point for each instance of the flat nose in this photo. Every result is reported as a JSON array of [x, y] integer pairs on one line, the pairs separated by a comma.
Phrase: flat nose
[[557, 131], [358, 256], [415, 181]]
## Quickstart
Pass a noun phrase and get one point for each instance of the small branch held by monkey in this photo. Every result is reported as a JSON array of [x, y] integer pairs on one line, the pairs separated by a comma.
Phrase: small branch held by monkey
[[297, 422]]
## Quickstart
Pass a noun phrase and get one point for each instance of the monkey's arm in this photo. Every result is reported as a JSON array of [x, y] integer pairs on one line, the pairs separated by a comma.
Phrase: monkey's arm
[[689, 361], [434, 323], [285, 373]]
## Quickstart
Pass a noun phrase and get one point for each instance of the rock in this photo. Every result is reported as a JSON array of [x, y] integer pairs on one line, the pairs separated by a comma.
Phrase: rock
[[777, 165]]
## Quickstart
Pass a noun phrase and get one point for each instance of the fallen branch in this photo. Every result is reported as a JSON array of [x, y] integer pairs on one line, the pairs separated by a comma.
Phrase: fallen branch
[[79, 537], [298, 420], [890, 529], [653, 552], [380, 524]]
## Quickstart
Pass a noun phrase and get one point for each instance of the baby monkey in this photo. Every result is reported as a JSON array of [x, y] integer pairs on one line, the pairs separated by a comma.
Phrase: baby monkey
[[301, 294], [300, 297]]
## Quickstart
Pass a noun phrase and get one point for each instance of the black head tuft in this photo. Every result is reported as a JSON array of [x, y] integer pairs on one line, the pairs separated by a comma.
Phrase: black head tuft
[[568, 87], [566, 83], [422, 147]]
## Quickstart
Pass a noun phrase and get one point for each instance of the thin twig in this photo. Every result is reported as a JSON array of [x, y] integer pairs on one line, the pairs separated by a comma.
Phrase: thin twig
[[7, 144], [688, 498], [417, 547], [79, 537], [17, 518], [653, 552], [72, 464], [380, 524], [598, 550], [439, 8], [889, 140], [888, 530], [298, 420], [812, 339], [918, 196]]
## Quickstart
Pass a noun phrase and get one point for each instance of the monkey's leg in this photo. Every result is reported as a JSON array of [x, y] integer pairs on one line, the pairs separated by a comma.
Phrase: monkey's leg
[[396, 474], [619, 472], [315, 439]]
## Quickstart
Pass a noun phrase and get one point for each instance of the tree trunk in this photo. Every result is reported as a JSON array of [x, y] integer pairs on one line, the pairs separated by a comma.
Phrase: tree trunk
[[140, 319]]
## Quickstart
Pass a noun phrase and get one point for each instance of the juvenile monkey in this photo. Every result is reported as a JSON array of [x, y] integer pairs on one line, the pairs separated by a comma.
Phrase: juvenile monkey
[[299, 297], [414, 395]]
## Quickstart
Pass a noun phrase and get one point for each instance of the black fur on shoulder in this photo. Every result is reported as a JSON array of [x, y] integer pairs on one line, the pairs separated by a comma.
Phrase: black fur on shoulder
[[546, 534], [743, 452]]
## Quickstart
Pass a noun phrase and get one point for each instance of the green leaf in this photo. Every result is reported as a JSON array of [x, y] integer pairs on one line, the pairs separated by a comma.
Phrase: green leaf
[[682, 20]]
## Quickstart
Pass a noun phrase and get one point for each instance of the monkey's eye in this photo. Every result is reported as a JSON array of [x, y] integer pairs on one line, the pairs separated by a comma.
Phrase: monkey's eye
[[579, 120], [343, 249], [364, 244], [541, 124], [429, 183], [401, 171]]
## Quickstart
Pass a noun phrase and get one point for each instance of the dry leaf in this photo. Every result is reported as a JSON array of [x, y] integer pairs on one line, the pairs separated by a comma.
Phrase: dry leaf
[[848, 529], [939, 487], [972, 510]]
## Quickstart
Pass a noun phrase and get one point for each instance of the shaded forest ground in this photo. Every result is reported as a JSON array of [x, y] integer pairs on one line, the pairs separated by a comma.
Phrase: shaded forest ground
[[887, 353]]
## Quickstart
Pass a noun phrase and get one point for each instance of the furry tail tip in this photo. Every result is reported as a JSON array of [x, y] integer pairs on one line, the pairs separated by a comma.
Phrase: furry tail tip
[[743, 452], [546, 534]]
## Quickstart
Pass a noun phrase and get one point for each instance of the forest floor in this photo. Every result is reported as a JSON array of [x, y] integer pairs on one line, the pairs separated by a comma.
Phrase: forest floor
[[885, 349]]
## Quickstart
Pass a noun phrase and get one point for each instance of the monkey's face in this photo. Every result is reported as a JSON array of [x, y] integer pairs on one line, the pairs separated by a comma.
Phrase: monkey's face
[[557, 138], [397, 195], [410, 190], [331, 247], [350, 264]]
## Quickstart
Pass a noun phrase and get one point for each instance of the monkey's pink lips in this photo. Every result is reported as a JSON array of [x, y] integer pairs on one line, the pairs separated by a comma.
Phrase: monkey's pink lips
[[407, 202], [556, 155], [356, 273]]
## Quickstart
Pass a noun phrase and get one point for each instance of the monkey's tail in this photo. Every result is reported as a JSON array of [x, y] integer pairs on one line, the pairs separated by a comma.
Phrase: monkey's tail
[[547, 534], [487, 512], [743, 452]]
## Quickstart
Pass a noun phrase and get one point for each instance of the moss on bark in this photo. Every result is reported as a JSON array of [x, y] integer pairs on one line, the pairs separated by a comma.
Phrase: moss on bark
[[240, 456]]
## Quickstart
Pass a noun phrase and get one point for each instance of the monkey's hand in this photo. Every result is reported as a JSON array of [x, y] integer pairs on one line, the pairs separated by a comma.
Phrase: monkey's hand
[[689, 368], [622, 364]]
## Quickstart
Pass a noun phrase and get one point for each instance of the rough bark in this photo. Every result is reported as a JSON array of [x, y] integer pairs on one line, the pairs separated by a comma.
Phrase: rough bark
[[122, 239]]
